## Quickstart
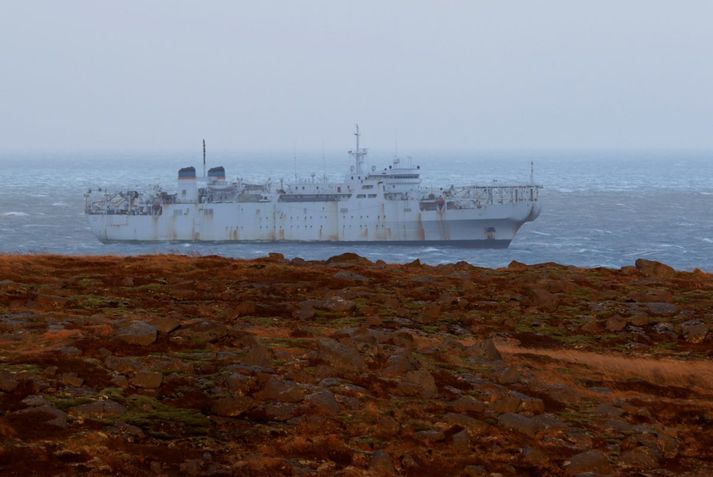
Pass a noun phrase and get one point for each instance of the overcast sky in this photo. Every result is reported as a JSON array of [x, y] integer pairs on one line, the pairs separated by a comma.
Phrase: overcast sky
[[263, 74]]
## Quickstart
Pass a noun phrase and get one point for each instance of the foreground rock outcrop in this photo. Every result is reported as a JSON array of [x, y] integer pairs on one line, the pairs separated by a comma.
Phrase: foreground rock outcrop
[[173, 365]]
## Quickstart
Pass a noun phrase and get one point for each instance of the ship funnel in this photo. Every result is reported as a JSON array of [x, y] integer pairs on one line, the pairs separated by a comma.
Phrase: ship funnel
[[187, 186], [187, 173], [216, 174]]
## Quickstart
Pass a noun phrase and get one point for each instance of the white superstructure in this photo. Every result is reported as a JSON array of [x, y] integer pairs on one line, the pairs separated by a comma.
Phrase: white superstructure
[[389, 205]]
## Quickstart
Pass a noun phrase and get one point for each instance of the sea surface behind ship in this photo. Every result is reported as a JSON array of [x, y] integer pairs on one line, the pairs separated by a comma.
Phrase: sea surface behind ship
[[603, 208]]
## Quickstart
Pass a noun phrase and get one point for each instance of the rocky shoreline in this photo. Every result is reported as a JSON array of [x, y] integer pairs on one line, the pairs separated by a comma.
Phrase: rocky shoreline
[[174, 365]]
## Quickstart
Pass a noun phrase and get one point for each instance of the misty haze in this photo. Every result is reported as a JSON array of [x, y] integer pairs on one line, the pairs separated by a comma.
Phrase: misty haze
[[323, 238]]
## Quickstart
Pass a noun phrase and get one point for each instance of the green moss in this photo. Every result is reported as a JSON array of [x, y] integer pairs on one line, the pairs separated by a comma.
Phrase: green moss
[[115, 394], [665, 347], [578, 417], [347, 321], [64, 403], [413, 305], [195, 355], [89, 283], [347, 419], [362, 303], [581, 292], [97, 301], [387, 312], [161, 420], [208, 382], [289, 342], [259, 320], [151, 288], [431, 328], [371, 442], [541, 324], [21, 368], [326, 315]]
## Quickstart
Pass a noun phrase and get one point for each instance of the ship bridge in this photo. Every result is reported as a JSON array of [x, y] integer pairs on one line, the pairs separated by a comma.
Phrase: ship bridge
[[397, 179], [393, 181]]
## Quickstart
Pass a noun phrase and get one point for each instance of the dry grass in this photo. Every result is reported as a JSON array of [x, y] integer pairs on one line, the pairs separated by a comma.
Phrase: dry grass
[[694, 374]]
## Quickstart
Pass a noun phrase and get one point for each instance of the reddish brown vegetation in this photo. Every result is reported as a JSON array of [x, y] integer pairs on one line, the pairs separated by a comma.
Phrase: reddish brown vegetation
[[172, 365]]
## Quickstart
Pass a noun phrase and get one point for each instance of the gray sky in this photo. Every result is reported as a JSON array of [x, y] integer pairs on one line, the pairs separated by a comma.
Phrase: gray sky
[[453, 74]]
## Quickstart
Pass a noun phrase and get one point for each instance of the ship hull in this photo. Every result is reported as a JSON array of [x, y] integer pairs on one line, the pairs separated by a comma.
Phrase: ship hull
[[395, 222], [475, 244]]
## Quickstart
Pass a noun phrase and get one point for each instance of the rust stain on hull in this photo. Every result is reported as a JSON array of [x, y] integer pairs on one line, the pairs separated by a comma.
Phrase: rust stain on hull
[[419, 228]]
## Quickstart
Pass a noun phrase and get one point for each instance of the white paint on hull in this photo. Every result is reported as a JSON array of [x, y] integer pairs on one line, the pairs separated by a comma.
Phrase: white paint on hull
[[340, 221]]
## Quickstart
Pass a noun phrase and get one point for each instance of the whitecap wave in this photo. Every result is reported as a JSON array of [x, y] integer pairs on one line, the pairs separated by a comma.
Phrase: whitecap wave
[[60, 204], [14, 214]]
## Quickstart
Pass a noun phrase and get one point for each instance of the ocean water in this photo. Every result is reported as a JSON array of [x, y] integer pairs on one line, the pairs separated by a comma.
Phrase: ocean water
[[599, 208]]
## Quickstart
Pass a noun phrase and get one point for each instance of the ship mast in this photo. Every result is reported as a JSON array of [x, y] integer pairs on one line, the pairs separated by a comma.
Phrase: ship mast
[[358, 153], [532, 172], [204, 158]]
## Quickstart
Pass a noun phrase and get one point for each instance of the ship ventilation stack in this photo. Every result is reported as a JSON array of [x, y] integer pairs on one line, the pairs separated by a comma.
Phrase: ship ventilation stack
[[187, 186], [216, 174]]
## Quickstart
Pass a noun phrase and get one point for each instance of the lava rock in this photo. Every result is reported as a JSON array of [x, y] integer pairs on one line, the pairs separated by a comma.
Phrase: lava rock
[[231, 406], [138, 333], [71, 379], [485, 349], [165, 324], [661, 309], [323, 402], [640, 458], [694, 331], [615, 323], [97, 410], [588, 461], [276, 389], [350, 276], [519, 423], [418, 383], [651, 268], [147, 379], [380, 463], [42, 415], [336, 304], [339, 356], [8, 382], [467, 404]]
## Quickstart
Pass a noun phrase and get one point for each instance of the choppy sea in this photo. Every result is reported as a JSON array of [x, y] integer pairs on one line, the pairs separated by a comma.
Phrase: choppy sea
[[599, 208]]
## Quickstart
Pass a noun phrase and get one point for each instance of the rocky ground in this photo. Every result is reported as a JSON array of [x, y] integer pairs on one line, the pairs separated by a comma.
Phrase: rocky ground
[[173, 365]]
